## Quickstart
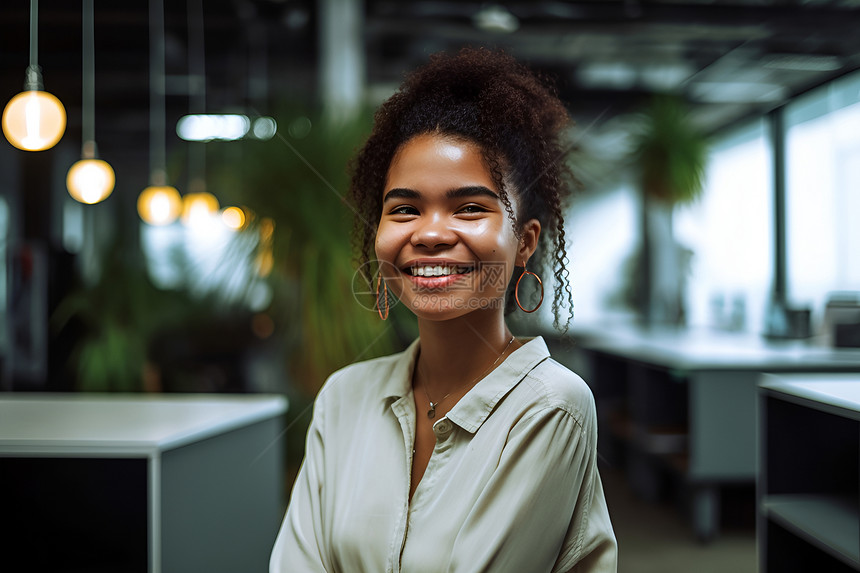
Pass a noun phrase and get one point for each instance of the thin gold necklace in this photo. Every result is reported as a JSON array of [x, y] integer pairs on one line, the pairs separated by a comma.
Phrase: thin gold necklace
[[431, 413]]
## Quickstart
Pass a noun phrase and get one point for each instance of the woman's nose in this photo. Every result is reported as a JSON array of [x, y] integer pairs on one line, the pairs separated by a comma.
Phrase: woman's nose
[[433, 231]]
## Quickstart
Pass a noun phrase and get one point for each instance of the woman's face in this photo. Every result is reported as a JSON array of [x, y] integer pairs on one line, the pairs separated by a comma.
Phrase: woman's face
[[445, 243]]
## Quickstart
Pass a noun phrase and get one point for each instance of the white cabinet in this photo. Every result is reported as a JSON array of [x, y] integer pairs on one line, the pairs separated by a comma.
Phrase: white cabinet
[[166, 483]]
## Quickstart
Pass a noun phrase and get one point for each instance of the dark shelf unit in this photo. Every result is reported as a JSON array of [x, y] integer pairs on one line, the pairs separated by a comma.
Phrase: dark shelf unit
[[809, 473]]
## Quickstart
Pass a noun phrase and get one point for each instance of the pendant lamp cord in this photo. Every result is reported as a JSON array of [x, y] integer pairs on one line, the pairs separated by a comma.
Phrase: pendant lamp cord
[[157, 152], [88, 129], [33, 80], [34, 33], [197, 84], [197, 55]]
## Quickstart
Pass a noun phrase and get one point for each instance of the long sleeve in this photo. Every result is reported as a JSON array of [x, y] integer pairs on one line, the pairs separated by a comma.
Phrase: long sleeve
[[543, 509], [300, 545]]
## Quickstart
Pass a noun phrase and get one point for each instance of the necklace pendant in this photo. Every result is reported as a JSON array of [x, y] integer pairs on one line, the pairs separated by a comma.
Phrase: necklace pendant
[[431, 413]]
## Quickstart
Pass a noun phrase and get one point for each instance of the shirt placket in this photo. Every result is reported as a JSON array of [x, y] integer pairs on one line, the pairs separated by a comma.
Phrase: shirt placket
[[405, 411], [442, 429]]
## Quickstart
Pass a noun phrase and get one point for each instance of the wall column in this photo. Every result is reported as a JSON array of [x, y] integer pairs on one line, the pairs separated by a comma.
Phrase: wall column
[[342, 59]]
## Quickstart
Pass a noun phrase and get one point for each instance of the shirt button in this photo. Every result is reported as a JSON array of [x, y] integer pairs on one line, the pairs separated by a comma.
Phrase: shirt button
[[442, 427]]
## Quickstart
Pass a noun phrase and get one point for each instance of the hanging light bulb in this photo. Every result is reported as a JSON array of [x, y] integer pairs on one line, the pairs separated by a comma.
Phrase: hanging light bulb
[[199, 208], [34, 120], [234, 218], [89, 180], [158, 204]]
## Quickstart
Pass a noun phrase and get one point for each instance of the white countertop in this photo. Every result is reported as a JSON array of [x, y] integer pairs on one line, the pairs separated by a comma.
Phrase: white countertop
[[124, 424], [839, 390], [701, 349]]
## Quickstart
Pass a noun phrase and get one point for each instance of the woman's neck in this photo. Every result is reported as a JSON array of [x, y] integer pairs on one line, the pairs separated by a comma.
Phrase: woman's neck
[[457, 353]]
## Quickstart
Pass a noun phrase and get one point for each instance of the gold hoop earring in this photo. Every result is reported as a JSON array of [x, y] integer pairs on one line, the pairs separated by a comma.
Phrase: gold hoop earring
[[517, 290], [383, 314]]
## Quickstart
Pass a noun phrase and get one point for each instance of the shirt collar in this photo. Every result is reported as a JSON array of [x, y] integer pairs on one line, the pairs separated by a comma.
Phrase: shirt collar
[[474, 408], [399, 383]]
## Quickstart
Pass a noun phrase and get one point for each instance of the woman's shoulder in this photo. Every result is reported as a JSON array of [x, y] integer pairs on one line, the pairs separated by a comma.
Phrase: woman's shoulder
[[384, 374], [553, 385], [372, 365]]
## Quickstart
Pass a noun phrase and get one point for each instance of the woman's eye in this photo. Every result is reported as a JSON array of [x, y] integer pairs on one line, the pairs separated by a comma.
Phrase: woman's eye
[[472, 208], [404, 210]]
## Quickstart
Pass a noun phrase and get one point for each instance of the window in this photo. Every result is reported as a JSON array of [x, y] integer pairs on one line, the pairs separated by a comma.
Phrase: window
[[729, 233], [823, 193]]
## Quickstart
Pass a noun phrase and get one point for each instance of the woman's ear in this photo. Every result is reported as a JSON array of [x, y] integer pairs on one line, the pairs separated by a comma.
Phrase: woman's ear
[[529, 235]]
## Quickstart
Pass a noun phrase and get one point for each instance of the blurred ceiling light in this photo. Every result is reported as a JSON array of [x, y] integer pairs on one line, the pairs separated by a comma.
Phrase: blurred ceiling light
[[89, 180], [664, 77], [224, 127], [803, 62], [264, 128], [495, 18], [34, 120], [198, 209], [609, 75], [233, 217], [213, 127], [737, 92], [159, 204]]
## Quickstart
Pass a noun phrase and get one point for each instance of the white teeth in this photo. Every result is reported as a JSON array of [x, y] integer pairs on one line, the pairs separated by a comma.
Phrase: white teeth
[[438, 270]]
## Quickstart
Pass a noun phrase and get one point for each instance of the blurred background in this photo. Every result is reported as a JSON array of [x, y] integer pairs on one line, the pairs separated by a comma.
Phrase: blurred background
[[717, 146]]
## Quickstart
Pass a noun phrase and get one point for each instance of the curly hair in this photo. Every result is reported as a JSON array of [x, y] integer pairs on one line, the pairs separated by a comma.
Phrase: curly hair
[[514, 117]]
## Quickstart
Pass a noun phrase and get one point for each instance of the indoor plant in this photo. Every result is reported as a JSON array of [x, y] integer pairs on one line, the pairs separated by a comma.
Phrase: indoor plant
[[670, 157]]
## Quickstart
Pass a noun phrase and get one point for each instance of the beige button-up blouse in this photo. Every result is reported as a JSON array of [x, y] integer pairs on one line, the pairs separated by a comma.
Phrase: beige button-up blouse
[[512, 484]]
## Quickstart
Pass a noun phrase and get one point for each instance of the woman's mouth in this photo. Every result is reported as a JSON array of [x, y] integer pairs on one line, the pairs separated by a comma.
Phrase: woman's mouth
[[437, 276], [438, 270]]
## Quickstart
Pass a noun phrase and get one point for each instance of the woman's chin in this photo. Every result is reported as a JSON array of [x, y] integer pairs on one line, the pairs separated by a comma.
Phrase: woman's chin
[[440, 307]]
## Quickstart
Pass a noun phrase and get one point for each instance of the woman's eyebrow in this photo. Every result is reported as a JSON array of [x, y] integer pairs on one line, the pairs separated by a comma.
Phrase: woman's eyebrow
[[471, 191], [458, 193], [401, 193]]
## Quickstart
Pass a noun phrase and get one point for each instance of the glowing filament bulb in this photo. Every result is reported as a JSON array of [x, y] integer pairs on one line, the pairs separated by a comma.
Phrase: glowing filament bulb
[[34, 120]]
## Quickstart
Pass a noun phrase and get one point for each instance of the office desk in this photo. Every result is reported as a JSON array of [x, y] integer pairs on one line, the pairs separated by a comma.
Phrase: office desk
[[686, 400], [140, 482]]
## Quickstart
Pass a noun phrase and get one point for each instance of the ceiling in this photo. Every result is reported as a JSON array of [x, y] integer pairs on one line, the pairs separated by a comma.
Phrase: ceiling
[[730, 59]]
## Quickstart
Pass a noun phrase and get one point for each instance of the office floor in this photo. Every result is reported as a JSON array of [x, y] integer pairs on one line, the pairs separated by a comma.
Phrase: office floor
[[655, 537]]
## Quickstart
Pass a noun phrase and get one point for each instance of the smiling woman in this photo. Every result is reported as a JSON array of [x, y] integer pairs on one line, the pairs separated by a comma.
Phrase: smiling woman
[[472, 450], [444, 230]]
